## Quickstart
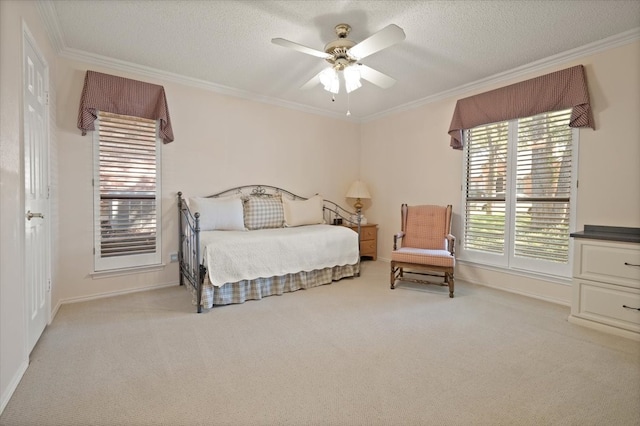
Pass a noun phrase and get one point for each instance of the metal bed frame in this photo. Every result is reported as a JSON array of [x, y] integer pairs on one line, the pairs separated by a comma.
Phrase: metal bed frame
[[193, 273]]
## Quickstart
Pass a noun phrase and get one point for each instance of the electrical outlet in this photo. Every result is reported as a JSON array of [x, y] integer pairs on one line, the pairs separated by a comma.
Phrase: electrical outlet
[[173, 257]]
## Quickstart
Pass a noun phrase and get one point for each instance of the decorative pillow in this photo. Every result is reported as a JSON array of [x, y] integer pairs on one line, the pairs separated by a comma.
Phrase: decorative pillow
[[218, 214], [264, 211], [305, 212]]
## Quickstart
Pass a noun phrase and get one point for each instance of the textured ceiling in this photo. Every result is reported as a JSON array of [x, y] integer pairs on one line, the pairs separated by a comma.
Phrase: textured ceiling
[[227, 44]]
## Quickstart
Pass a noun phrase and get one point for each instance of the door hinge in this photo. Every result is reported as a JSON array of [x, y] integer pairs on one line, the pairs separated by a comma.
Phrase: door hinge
[[46, 98], [48, 191], [49, 285]]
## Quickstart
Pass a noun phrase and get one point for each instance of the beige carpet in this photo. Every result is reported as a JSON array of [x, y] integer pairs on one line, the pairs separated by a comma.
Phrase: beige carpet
[[350, 353]]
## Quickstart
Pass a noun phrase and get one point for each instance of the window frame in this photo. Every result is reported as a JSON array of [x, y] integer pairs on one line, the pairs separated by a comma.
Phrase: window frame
[[507, 260], [134, 261]]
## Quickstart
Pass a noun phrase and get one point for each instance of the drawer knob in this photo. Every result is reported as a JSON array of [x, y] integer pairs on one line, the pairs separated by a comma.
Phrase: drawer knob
[[629, 307], [630, 264]]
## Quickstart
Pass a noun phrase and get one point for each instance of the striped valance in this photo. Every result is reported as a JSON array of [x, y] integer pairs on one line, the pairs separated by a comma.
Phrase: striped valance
[[551, 92], [108, 93]]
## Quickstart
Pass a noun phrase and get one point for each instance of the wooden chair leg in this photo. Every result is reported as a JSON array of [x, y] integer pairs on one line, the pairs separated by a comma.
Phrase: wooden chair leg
[[451, 284], [393, 277]]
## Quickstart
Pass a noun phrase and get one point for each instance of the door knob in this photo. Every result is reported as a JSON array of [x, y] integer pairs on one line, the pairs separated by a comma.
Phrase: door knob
[[32, 215]]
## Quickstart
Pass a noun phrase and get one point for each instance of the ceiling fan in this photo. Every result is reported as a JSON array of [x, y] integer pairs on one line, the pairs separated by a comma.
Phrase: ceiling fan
[[344, 55]]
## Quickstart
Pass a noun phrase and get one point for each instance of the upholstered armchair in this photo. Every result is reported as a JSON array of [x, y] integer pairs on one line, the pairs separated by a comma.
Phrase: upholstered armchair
[[424, 246]]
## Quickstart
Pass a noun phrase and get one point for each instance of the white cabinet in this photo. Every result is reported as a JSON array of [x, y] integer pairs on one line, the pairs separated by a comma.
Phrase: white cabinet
[[606, 286]]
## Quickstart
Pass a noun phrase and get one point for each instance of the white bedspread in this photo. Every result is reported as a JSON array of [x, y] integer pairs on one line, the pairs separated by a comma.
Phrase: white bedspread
[[232, 256]]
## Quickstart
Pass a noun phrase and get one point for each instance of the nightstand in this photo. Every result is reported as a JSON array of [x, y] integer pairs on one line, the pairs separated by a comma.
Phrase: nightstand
[[368, 240]]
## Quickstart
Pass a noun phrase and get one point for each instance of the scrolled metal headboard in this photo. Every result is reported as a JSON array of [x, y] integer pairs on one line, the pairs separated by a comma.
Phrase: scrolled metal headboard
[[331, 210]]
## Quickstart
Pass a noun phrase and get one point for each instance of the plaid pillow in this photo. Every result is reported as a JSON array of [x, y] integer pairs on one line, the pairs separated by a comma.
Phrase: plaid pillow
[[263, 211]]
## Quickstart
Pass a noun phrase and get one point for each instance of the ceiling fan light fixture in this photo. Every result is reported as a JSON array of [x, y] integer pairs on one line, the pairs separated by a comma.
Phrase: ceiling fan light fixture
[[344, 55], [329, 79], [351, 79]]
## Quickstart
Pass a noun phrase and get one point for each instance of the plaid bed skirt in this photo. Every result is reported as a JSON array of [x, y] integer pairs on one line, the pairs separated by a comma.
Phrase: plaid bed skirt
[[241, 291]]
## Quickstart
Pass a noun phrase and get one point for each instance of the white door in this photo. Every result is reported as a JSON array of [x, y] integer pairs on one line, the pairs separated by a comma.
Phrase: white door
[[36, 193]]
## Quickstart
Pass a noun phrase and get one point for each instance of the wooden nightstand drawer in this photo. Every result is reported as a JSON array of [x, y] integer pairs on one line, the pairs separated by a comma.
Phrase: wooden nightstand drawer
[[369, 233], [368, 248], [368, 240]]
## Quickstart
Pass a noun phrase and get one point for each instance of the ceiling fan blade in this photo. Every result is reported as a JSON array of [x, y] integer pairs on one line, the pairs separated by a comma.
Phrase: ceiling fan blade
[[376, 77], [300, 48], [388, 36], [315, 80]]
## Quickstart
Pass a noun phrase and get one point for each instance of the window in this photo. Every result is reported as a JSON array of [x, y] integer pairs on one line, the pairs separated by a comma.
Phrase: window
[[126, 192], [519, 193]]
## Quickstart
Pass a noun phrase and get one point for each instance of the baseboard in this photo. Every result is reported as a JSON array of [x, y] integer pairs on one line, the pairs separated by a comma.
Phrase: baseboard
[[604, 328], [7, 393], [114, 293], [520, 292], [55, 310], [524, 293]]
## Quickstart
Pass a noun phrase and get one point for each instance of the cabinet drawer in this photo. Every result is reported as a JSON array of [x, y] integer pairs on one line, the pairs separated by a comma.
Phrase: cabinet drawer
[[609, 262], [368, 233], [367, 248], [604, 303]]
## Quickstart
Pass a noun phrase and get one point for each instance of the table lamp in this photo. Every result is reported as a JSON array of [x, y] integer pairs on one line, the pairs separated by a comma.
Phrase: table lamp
[[359, 191]]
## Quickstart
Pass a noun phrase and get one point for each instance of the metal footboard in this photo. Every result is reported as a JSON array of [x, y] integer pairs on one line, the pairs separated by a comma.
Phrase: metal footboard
[[191, 271]]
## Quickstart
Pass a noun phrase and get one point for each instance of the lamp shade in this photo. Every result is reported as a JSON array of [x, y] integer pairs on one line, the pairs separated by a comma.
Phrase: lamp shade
[[351, 79], [329, 79], [358, 189]]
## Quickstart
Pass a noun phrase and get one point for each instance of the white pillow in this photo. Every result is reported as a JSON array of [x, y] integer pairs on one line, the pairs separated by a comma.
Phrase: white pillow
[[218, 214], [303, 212]]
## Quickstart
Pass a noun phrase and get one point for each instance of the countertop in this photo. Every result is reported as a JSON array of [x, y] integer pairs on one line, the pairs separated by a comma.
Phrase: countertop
[[609, 233]]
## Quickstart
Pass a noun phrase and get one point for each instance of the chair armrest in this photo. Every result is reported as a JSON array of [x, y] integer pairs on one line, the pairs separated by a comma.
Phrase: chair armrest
[[451, 242], [397, 237]]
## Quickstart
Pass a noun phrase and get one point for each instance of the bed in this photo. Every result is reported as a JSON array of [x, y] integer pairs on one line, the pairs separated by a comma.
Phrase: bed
[[254, 241]]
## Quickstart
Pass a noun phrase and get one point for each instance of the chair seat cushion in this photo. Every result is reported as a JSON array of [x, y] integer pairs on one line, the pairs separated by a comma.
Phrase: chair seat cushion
[[423, 257]]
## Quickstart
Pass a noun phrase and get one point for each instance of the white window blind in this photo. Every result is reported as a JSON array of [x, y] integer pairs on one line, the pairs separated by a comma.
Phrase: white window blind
[[486, 182], [518, 195], [127, 192], [543, 187]]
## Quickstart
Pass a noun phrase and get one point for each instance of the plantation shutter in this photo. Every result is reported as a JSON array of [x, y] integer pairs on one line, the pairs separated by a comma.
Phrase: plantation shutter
[[486, 154], [543, 188], [128, 196]]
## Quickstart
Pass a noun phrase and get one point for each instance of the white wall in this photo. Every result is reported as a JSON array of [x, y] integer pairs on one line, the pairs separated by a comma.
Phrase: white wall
[[406, 159], [220, 142], [13, 332]]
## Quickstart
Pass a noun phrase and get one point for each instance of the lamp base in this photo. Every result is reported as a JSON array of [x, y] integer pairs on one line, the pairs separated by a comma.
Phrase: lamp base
[[363, 220]]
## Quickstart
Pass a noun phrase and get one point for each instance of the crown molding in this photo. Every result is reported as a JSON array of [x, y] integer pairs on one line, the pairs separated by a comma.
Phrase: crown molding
[[577, 53], [52, 25], [129, 67]]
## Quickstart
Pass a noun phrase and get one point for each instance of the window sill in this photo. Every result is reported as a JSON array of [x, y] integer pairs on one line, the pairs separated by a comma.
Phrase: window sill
[[127, 271], [556, 279]]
